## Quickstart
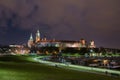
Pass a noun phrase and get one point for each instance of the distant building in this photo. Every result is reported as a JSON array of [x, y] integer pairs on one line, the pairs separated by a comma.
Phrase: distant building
[[92, 44], [83, 43], [30, 41], [43, 42], [37, 36], [18, 49]]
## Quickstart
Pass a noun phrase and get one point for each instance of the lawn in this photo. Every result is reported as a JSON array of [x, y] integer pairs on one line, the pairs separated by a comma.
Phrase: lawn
[[23, 68]]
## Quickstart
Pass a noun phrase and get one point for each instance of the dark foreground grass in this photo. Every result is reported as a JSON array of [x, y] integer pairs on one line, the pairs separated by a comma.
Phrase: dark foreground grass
[[23, 69]]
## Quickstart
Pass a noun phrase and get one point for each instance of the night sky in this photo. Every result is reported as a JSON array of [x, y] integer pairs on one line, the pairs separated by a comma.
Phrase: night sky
[[97, 20]]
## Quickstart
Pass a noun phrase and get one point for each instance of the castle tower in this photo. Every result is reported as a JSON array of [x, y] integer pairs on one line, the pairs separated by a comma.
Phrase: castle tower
[[30, 41], [37, 36], [92, 44], [83, 43]]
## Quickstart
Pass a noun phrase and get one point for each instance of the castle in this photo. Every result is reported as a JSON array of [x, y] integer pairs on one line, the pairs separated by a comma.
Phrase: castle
[[43, 42]]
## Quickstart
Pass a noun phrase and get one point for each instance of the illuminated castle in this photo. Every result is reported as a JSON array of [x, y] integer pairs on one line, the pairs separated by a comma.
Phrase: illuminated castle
[[43, 42]]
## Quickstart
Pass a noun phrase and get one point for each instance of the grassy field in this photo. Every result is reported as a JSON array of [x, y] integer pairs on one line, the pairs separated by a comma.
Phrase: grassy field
[[24, 68]]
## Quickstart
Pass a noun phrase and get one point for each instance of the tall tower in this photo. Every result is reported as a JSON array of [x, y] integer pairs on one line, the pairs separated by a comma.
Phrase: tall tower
[[92, 44], [37, 36], [30, 41], [83, 43]]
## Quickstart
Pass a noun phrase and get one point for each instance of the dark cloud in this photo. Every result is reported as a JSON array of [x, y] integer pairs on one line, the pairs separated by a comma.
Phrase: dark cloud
[[65, 19]]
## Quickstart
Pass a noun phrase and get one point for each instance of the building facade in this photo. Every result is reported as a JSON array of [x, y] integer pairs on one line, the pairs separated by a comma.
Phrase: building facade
[[43, 42]]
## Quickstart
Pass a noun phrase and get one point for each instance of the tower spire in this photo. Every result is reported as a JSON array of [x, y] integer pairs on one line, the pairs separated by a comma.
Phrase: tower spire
[[38, 36], [31, 37], [30, 41]]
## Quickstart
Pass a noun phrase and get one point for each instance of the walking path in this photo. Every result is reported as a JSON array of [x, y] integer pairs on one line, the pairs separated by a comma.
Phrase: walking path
[[80, 68]]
